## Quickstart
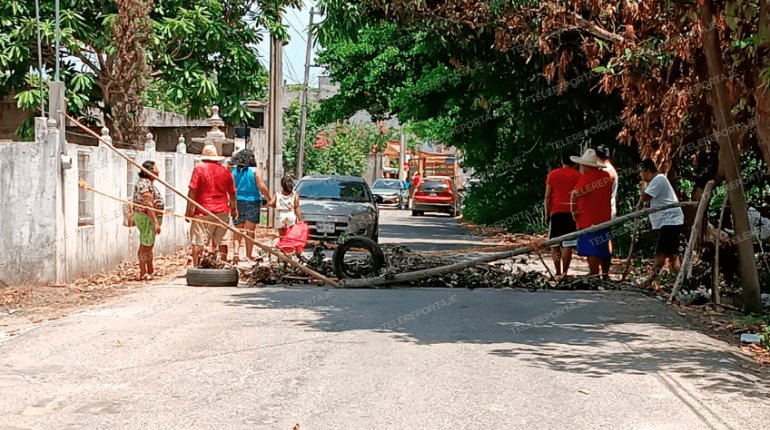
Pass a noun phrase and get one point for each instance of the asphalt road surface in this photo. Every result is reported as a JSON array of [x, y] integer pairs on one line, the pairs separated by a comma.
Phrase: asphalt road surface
[[172, 356]]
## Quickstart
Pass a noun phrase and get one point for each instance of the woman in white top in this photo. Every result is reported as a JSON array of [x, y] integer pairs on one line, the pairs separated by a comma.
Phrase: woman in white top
[[286, 204]]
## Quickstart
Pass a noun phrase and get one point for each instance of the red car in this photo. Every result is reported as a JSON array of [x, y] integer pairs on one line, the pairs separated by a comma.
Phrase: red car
[[436, 194]]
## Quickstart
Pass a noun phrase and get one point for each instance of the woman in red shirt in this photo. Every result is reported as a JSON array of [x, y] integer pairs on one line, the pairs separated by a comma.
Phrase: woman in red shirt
[[591, 205]]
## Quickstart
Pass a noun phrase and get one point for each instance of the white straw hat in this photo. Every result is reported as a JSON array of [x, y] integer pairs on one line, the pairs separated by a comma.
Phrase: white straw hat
[[210, 153], [588, 158]]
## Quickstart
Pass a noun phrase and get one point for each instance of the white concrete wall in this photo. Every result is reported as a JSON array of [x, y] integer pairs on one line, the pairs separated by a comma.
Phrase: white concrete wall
[[40, 237], [27, 203], [93, 248]]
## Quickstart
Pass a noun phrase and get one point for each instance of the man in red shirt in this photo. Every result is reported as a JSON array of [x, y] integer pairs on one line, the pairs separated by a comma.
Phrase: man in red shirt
[[591, 205], [415, 185], [212, 187], [558, 215]]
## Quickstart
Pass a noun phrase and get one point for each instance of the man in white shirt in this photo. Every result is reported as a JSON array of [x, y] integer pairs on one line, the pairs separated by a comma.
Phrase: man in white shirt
[[668, 223], [604, 155]]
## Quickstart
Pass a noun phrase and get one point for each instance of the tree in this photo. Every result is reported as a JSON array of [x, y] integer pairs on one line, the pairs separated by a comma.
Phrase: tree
[[131, 35], [201, 52], [650, 53]]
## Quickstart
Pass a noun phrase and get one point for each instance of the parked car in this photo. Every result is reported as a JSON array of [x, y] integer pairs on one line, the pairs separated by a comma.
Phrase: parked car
[[332, 205], [437, 194], [392, 191]]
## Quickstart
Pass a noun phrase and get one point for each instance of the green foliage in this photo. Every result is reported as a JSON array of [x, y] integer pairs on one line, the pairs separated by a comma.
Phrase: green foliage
[[202, 52], [498, 109], [340, 149]]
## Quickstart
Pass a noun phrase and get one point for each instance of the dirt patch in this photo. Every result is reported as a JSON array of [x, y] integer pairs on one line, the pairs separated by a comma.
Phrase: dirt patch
[[32, 305]]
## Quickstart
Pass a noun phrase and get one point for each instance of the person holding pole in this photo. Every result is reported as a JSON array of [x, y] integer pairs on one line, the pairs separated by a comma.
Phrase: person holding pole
[[657, 190], [212, 187], [558, 217], [590, 203]]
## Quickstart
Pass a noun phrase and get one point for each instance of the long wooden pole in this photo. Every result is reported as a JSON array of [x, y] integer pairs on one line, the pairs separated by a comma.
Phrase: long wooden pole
[[425, 273], [717, 245], [694, 233], [633, 242], [280, 256]]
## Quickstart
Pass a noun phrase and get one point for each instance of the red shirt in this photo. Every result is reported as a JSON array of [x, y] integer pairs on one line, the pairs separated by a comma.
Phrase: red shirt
[[562, 181], [213, 185], [417, 179], [594, 196]]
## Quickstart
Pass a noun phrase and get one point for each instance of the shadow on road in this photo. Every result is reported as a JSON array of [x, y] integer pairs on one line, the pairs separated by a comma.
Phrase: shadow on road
[[593, 334]]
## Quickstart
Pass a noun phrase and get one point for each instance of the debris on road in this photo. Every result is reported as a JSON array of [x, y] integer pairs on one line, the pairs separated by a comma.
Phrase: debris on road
[[750, 338], [400, 259]]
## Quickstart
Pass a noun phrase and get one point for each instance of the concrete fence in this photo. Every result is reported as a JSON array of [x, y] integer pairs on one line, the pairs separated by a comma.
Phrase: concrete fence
[[53, 231]]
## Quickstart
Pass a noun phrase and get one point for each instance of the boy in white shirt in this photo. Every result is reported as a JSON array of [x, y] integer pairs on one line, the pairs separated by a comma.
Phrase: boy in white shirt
[[668, 223]]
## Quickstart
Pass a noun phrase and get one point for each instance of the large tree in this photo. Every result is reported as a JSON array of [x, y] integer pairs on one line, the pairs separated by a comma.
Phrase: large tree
[[650, 53], [201, 52]]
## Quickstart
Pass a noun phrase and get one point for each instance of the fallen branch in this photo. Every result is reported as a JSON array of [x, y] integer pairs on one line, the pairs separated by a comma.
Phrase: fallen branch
[[425, 273], [694, 233], [250, 240]]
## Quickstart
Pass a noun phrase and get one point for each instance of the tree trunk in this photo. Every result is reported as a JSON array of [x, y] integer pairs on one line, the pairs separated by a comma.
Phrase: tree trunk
[[729, 158]]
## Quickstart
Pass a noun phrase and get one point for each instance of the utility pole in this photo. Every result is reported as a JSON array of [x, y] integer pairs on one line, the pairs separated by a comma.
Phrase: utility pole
[[303, 114], [275, 121], [402, 155]]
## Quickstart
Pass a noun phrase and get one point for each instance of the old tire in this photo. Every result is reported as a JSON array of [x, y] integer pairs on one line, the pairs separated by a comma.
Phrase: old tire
[[374, 250], [197, 277]]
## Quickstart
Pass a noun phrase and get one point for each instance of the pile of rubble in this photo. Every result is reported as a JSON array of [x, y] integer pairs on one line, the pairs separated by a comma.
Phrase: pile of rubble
[[399, 259]]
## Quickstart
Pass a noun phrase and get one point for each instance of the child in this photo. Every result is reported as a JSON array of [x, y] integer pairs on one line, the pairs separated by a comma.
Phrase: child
[[286, 204]]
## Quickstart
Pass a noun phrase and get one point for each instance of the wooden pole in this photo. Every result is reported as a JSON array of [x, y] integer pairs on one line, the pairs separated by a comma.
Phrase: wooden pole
[[425, 273], [694, 233], [633, 242], [278, 255], [303, 114], [717, 243]]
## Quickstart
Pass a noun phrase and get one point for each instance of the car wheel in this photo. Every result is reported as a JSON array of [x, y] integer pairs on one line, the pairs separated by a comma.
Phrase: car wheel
[[198, 277], [343, 271]]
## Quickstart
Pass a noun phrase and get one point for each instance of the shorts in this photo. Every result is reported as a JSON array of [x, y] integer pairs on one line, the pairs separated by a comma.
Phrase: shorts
[[595, 244], [668, 239], [247, 211], [146, 229], [202, 234], [562, 223]]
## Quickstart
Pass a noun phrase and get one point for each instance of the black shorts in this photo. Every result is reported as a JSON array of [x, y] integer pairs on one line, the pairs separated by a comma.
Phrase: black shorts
[[668, 239], [562, 223]]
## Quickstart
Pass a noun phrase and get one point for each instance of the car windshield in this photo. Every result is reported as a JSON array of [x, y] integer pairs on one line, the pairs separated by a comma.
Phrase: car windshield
[[387, 185], [332, 189]]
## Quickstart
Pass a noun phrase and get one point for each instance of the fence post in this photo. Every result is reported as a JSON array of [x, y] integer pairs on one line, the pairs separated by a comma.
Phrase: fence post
[[149, 145]]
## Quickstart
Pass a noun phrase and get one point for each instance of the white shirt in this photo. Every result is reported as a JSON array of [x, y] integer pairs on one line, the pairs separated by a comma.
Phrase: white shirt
[[662, 194], [284, 210], [614, 175]]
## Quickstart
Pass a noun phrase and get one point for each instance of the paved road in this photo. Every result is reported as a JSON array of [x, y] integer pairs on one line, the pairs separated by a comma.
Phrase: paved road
[[176, 357]]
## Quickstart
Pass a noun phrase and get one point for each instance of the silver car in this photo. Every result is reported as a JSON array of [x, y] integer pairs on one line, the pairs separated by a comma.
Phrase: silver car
[[392, 191], [333, 205]]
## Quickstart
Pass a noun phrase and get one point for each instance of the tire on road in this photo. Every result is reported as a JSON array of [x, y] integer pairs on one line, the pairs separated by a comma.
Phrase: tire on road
[[198, 277], [374, 250]]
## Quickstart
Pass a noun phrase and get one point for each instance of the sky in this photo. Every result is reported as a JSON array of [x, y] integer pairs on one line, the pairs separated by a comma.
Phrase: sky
[[294, 52]]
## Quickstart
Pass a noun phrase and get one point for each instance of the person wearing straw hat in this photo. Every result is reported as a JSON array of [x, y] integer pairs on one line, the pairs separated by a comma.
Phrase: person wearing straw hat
[[212, 187], [590, 203]]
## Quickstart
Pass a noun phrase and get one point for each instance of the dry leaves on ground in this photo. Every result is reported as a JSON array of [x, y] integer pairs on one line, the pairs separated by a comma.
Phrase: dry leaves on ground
[[53, 301]]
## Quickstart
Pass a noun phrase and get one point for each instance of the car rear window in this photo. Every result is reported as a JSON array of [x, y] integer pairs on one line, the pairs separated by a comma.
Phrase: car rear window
[[433, 185], [330, 189]]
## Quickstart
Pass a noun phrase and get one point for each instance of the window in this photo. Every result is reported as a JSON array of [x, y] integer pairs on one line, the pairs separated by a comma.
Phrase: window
[[85, 197], [131, 175], [169, 178]]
